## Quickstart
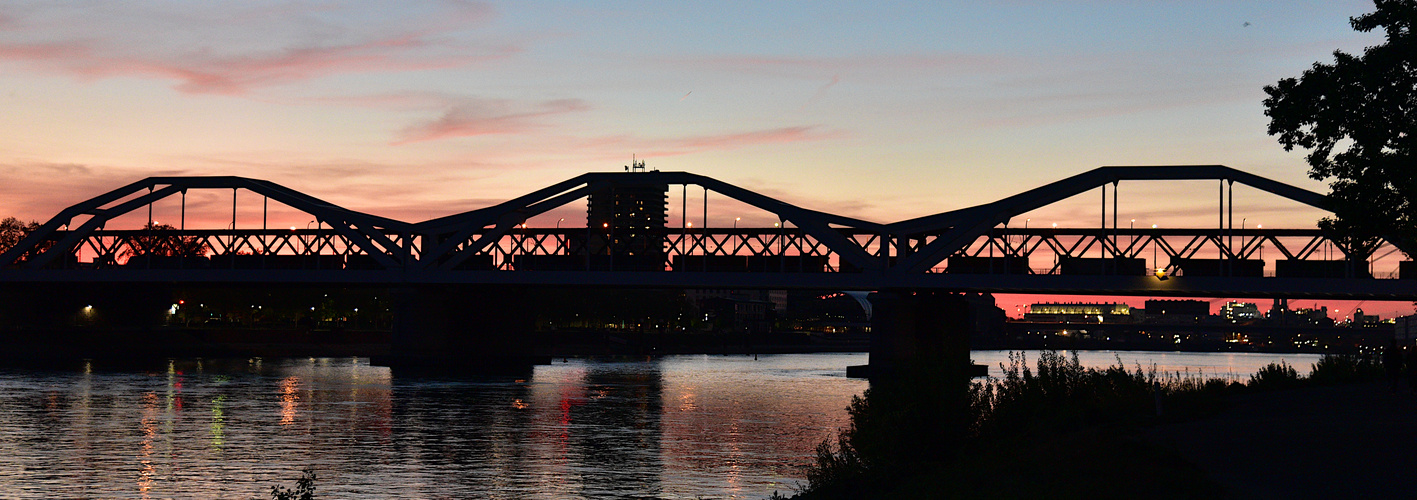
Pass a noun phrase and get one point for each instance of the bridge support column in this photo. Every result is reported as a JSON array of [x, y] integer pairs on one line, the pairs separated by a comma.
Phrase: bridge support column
[[450, 329], [917, 328]]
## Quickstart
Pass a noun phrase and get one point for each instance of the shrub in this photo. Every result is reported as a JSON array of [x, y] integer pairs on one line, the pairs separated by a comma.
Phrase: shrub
[[1274, 376], [1344, 369]]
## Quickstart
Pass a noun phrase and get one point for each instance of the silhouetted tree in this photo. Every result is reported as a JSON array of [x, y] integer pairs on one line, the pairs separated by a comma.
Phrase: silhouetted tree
[[162, 240], [1358, 118], [12, 231]]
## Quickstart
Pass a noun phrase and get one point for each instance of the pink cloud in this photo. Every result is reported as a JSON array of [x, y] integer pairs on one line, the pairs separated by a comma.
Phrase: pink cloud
[[233, 54], [487, 117]]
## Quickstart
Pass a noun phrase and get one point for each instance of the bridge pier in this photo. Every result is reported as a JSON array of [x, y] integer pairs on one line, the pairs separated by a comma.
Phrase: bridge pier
[[459, 329], [918, 328]]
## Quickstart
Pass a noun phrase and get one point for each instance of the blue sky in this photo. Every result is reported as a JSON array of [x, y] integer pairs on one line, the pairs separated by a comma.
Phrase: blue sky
[[882, 111]]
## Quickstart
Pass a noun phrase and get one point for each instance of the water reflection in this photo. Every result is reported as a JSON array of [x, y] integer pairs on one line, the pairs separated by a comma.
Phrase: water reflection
[[672, 427]]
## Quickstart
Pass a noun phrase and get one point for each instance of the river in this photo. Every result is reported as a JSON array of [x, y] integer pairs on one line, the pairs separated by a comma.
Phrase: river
[[692, 426]]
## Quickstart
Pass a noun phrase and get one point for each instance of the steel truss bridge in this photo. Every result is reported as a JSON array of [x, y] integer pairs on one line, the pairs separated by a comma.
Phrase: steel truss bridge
[[969, 249]]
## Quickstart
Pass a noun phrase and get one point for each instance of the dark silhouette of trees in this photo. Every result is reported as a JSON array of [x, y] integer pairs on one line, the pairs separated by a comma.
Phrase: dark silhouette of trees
[[12, 231], [162, 240], [1358, 119]]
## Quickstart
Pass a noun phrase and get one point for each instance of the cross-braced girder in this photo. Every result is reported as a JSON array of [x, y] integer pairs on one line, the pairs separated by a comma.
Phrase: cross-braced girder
[[941, 248]]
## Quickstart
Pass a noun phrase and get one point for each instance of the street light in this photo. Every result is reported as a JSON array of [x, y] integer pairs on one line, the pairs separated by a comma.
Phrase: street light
[[739, 237], [1261, 226], [558, 235], [1154, 262]]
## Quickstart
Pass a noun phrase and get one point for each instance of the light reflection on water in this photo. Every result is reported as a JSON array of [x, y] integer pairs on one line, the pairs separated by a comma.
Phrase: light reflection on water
[[672, 427]]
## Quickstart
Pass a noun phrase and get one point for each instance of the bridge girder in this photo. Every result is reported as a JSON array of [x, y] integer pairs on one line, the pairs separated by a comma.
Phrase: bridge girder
[[365, 230], [897, 254]]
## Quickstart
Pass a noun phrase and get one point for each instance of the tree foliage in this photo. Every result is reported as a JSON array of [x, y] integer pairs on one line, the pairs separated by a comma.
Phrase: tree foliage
[[12, 231], [163, 240], [1357, 117]]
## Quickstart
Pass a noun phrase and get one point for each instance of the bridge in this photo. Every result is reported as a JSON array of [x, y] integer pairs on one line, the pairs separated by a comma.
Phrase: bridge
[[976, 249]]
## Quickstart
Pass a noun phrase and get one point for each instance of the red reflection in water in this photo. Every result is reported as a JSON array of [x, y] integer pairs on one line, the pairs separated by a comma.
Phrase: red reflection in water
[[289, 399]]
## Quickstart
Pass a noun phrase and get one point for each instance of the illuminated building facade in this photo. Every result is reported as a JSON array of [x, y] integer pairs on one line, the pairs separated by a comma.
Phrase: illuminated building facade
[[1079, 313], [1240, 312]]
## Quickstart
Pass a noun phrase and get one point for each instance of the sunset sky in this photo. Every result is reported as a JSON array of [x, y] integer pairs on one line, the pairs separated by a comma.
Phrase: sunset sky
[[882, 112]]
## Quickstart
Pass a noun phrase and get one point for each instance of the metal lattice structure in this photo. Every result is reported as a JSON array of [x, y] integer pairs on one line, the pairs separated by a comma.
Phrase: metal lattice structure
[[966, 249]]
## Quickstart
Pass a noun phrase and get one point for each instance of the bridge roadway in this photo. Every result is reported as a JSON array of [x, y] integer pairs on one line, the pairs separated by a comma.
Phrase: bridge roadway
[[1256, 287]]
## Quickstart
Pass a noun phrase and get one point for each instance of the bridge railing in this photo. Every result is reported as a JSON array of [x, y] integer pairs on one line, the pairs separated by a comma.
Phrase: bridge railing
[[1049, 251], [1302, 253]]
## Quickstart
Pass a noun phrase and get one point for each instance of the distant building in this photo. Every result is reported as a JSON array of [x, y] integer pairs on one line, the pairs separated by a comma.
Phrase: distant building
[[1361, 320], [630, 219], [1079, 313], [1311, 316], [1240, 312], [1279, 312], [1405, 329], [738, 315], [1177, 311]]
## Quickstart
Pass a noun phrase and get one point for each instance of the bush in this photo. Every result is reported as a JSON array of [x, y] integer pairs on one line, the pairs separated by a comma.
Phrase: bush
[[1274, 376], [1346, 369]]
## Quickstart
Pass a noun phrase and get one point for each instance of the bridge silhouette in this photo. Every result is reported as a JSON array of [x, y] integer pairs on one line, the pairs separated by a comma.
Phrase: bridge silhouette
[[969, 249]]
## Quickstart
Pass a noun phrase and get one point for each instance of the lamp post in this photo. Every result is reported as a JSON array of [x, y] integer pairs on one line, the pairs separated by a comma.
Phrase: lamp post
[[1154, 262], [558, 235], [305, 238], [739, 237]]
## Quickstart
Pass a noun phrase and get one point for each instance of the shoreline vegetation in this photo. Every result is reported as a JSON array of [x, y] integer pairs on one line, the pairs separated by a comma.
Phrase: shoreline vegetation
[[1054, 430]]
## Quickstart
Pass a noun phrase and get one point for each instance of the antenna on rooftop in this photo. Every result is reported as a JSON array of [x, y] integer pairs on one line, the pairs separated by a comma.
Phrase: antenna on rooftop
[[635, 165]]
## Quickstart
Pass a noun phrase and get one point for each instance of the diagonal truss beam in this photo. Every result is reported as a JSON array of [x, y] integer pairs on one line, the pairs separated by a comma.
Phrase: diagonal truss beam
[[958, 228]]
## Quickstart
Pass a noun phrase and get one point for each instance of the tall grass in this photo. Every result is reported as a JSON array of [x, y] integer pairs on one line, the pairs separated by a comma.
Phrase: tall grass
[[930, 416]]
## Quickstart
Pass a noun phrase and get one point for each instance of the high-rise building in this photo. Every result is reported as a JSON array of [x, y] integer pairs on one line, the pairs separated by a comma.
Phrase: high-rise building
[[630, 218]]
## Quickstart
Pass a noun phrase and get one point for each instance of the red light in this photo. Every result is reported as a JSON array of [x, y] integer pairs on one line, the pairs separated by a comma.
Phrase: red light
[[181, 302]]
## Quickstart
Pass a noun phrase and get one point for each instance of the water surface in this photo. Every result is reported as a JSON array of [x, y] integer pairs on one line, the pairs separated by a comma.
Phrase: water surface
[[669, 427]]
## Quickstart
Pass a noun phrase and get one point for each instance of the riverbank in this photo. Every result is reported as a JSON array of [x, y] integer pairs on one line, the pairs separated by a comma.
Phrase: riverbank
[[1068, 431], [1343, 441]]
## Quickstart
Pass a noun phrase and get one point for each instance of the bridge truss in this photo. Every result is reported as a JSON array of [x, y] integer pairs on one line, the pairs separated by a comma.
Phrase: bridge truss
[[970, 249]]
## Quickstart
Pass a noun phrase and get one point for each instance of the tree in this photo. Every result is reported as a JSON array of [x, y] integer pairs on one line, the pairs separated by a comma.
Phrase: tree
[[159, 240], [12, 231], [1358, 119]]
